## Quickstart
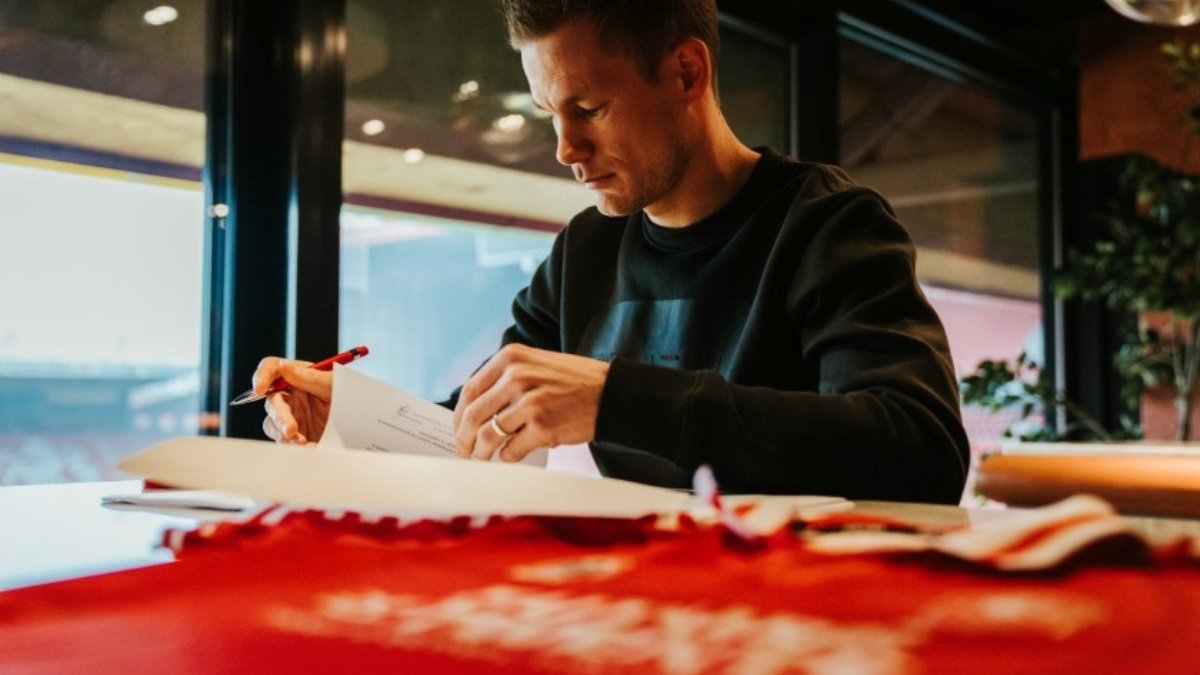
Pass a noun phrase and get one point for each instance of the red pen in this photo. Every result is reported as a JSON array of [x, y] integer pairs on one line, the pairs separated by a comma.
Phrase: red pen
[[281, 384]]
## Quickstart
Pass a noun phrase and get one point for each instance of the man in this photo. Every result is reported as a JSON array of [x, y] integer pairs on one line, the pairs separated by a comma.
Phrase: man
[[720, 305]]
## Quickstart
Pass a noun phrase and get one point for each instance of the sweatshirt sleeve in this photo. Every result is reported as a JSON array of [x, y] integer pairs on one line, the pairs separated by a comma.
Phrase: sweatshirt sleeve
[[884, 421]]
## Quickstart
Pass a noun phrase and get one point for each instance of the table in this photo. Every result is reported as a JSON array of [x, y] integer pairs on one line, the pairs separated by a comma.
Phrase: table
[[62, 531], [53, 532], [323, 593]]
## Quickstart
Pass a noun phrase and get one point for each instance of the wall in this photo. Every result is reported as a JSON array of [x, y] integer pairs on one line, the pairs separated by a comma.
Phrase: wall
[[1125, 97]]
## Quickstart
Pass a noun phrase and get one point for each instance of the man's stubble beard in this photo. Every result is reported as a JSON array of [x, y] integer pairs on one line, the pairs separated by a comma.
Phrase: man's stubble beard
[[665, 174]]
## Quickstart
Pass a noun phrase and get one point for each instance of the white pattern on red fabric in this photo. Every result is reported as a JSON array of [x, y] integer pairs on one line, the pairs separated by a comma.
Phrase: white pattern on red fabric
[[596, 633]]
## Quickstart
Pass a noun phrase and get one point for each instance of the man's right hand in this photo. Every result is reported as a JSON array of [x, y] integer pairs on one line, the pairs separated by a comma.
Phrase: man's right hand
[[297, 416]]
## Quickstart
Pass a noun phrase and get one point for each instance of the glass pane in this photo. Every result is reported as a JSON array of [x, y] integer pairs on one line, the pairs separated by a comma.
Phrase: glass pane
[[429, 295], [753, 84], [101, 149], [958, 162], [452, 189]]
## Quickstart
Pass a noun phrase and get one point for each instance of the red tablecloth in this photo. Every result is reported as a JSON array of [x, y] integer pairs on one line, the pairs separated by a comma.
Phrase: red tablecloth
[[315, 596]]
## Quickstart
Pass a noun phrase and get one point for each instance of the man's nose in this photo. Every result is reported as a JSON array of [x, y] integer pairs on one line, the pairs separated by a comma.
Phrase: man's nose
[[573, 145]]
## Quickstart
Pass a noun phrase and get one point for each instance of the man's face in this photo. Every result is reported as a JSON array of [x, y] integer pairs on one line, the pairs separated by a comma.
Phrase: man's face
[[624, 137]]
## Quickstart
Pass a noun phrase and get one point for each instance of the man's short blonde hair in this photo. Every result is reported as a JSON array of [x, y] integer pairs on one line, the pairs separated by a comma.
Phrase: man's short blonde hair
[[645, 29]]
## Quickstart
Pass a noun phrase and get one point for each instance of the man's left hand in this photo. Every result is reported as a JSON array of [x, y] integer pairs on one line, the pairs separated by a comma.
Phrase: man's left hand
[[523, 399]]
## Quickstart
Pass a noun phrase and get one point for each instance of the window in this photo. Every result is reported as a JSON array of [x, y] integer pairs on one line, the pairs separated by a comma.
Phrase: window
[[452, 190], [101, 149], [959, 163], [754, 84]]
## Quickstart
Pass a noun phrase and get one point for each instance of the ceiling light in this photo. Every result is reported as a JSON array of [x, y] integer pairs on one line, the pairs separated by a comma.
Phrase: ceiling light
[[373, 127], [509, 123], [413, 155], [163, 14], [466, 91], [1161, 12], [522, 102]]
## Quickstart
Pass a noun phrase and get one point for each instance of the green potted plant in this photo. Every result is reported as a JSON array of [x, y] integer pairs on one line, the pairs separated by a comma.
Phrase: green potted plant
[[1147, 265], [1022, 384]]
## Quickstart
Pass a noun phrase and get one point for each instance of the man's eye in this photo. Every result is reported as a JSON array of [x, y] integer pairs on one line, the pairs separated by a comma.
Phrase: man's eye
[[589, 112]]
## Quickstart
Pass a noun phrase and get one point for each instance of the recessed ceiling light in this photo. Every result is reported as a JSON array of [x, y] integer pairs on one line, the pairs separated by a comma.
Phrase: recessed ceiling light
[[510, 123], [466, 91], [160, 15], [373, 127]]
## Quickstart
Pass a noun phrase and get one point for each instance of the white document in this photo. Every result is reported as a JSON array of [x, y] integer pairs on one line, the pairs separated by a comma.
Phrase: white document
[[398, 483], [367, 414], [386, 451], [206, 505], [211, 500]]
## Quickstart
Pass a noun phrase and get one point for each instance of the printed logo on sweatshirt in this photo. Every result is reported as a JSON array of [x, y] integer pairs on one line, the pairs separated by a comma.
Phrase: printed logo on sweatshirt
[[685, 334]]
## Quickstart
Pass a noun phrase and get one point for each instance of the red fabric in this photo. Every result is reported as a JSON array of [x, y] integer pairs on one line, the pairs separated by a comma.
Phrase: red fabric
[[314, 596]]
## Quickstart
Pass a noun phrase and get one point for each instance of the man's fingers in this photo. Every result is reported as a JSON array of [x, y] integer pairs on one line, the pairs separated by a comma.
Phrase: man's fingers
[[481, 444], [300, 375], [496, 386], [518, 447], [507, 440], [490, 441], [273, 432], [270, 430], [473, 426], [266, 373], [542, 398], [486, 378], [279, 413], [478, 385]]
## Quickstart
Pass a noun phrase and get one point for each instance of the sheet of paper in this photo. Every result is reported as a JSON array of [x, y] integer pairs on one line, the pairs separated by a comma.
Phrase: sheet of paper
[[367, 414], [214, 500], [576, 459], [400, 483]]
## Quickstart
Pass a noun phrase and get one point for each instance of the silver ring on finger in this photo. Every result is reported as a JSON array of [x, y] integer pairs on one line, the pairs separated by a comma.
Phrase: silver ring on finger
[[499, 429]]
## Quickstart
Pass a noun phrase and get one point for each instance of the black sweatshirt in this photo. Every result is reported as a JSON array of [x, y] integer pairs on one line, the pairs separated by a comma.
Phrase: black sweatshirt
[[783, 341]]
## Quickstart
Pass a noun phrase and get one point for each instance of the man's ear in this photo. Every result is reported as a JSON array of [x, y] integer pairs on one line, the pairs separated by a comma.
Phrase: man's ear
[[694, 65]]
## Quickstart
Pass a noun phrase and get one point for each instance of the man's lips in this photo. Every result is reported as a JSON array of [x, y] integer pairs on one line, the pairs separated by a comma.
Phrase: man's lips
[[595, 182]]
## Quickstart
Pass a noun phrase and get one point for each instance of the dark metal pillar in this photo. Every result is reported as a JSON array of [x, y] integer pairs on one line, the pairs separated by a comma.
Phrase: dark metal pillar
[[275, 110]]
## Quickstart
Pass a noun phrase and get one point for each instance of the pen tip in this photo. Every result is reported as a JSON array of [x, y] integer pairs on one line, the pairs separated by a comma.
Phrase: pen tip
[[246, 397]]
